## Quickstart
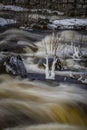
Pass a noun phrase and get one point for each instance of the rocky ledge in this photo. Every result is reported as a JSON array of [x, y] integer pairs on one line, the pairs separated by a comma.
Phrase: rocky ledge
[[12, 64]]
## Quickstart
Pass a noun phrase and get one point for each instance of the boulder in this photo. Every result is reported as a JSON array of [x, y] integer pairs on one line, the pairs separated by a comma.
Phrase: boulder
[[41, 24], [58, 65], [13, 64]]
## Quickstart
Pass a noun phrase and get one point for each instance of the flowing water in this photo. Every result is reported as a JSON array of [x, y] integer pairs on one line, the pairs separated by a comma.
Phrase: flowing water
[[35, 105]]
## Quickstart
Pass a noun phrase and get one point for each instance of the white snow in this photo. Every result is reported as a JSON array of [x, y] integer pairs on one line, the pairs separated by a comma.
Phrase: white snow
[[48, 11], [4, 21], [84, 81], [12, 8], [52, 26], [22, 43], [70, 23], [58, 12]]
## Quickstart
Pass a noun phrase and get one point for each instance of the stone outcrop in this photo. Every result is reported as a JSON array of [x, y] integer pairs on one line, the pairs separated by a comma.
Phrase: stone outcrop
[[12, 64]]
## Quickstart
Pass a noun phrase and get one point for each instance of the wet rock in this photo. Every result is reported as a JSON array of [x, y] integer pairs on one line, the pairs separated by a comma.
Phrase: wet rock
[[2, 67], [13, 64], [58, 65], [76, 27], [83, 61], [37, 27], [43, 21], [41, 24]]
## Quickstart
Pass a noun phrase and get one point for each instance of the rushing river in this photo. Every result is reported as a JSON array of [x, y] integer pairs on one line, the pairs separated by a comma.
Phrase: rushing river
[[35, 105]]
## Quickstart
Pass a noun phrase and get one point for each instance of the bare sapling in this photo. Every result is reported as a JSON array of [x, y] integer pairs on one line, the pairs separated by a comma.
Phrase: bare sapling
[[52, 44]]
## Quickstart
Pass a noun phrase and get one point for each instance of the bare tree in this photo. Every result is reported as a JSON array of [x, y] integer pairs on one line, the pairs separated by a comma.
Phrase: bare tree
[[52, 44], [76, 52]]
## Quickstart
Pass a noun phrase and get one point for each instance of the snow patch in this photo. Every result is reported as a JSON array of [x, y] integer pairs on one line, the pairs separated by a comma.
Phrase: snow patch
[[47, 11], [4, 21], [22, 43], [69, 23], [12, 8]]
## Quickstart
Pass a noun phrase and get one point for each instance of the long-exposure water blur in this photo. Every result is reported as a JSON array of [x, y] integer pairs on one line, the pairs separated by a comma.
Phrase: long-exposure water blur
[[43, 65]]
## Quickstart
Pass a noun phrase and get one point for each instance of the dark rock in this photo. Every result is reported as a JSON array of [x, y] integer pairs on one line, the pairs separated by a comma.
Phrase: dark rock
[[76, 27], [43, 21], [83, 61], [58, 65], [41, 24], [14, 65], [37, 27]]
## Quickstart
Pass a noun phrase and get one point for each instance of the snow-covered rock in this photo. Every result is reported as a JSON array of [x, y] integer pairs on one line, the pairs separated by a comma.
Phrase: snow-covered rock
[[4, 21], [12, 8], [69, 23], [47, 11], [52, 26]]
